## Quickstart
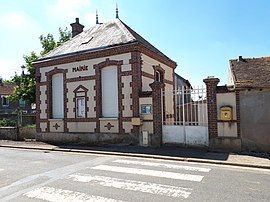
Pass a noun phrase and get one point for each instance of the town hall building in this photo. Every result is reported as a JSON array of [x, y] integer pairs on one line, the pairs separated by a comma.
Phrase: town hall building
[[98, 86]]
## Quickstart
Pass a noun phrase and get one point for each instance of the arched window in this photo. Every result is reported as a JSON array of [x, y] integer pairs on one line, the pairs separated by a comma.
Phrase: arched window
[[109, 87], [57, 96], [159, 73]]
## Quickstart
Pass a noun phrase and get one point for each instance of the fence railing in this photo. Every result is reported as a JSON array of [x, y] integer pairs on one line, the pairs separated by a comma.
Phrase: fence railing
[[185, 106]]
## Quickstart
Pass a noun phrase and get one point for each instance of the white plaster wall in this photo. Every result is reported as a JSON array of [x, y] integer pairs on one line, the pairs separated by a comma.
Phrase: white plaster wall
[[224, 99], [43, 105], [83, 127], [145, 83], [43, 126], [191, 135], [127, 101], [127, 126], [227, 129]]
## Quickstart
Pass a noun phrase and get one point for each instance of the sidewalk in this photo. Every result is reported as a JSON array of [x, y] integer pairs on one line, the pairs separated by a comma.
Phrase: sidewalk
[[166, 153]]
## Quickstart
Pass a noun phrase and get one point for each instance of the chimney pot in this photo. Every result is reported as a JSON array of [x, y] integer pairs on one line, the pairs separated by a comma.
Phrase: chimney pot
[[240, 58]]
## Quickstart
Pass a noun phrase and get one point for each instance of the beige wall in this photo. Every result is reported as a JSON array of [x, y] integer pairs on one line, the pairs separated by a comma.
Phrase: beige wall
[[43, 105], [81, 126], [89, 84], [226, 99], [104, 122], [148, 63], [227, 129], [90, 94], [147, 67], [127, 91]]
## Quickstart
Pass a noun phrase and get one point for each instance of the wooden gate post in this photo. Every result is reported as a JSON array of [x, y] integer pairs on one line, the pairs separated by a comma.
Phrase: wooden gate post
[[156, 139], [211, 90]]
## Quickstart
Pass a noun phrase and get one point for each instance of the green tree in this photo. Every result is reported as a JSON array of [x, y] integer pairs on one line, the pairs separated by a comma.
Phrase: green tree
[[26, 84]]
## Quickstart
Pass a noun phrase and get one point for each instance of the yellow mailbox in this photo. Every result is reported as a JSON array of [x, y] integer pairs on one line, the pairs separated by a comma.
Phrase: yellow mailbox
[[226, 113]]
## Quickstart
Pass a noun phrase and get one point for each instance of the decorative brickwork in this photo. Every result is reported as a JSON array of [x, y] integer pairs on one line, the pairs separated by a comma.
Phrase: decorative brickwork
[[211, 89], [237, 99], [98, 89], [136, 69], [157, 113], [49, 96]]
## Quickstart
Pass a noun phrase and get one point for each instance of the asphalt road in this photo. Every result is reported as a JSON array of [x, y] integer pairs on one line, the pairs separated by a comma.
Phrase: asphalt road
[[27, 175]]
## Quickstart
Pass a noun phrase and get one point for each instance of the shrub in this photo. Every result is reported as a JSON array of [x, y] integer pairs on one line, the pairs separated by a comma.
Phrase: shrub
[[7, 122]]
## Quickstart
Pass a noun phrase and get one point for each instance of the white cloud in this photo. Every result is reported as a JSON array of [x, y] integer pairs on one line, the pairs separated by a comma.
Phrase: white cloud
[[18, 21], [8, 67]]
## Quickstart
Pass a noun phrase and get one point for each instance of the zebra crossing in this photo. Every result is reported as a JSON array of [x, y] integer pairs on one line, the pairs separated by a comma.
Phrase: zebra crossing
[[125, 176]]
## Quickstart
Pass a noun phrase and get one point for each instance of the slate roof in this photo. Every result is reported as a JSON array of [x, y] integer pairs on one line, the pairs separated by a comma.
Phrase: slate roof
[[98, 37], [6, 89], [251, 72]]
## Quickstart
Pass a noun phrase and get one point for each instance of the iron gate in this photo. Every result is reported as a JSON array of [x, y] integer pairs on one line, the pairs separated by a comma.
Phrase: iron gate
[[185, 116]]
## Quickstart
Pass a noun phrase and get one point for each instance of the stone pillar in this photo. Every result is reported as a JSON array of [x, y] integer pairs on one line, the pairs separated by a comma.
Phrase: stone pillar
[[156, 139], [211, 90]]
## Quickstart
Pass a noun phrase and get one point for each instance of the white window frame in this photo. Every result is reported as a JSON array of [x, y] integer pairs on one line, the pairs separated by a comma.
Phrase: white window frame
[[80, 113]]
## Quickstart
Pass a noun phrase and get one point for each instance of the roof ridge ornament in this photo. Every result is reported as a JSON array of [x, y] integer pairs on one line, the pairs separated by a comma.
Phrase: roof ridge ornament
[[116, 12], [97, 17]]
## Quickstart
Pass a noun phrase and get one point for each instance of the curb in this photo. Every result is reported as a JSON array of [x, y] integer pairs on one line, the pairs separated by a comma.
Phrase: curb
[[149, 156]]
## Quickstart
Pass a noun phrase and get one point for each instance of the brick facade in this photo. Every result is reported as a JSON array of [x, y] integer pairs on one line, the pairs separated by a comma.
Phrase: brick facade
[[211, 89], [157, 113]]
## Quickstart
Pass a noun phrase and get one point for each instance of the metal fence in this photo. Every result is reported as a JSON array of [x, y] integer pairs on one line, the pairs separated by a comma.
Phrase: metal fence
[[188, 106]]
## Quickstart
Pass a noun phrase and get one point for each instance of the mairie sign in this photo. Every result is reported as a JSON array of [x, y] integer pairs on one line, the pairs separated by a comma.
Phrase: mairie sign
[[80, 68]]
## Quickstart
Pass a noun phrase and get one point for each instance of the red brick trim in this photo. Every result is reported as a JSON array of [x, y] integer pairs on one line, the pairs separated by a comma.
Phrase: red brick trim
[[82, 120], [150, 76], [145, 74], [38, 101], [136, 69], [81, 78], [211, 89], [237, 100], [74, 57]]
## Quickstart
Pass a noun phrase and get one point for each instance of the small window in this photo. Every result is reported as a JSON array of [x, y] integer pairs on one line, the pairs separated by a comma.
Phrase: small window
[[159, 76], [22, 102], [5, 101], [146, 109], [80, 107]]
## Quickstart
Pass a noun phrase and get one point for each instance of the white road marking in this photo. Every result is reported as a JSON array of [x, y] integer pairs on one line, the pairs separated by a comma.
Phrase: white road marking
[[155, 173], [55, 195], [1, 169], [146, 187], [163, 165]]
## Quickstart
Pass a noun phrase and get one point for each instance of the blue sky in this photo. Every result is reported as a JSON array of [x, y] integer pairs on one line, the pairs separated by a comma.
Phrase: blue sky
[[200, 35]]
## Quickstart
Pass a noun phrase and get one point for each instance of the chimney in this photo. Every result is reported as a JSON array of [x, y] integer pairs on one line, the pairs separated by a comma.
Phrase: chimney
[[240, 59], [77, 28]]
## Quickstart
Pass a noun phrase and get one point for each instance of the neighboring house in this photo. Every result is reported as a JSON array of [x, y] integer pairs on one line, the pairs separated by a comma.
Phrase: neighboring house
[[182, 84], [180, 81], [99, 83], [250, 73], [10, 107], [243, 107]]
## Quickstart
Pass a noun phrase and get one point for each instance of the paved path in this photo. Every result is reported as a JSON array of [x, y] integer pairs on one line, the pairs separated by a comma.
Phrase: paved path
[[169, 153], [28, 175]]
